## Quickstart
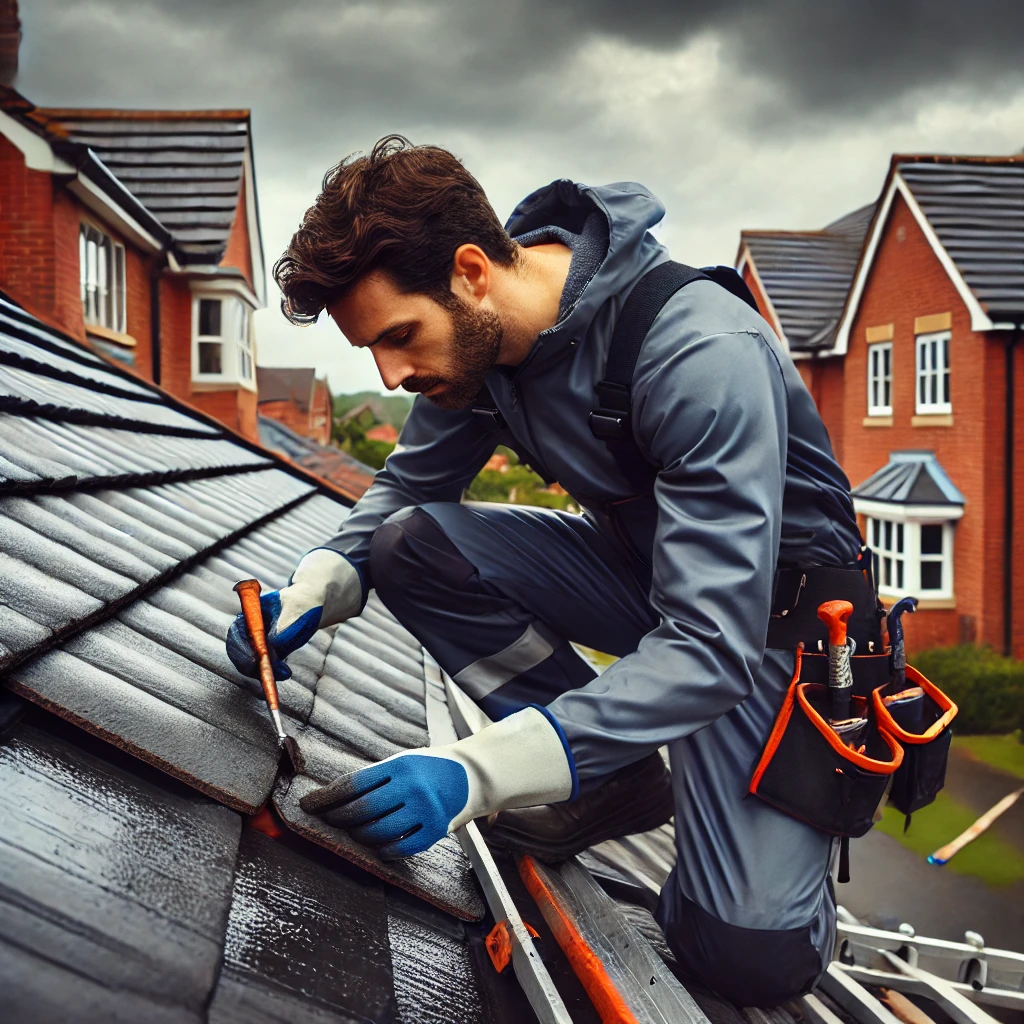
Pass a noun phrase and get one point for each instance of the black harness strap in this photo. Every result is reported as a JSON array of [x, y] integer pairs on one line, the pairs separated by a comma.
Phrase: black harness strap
[[611, 421]]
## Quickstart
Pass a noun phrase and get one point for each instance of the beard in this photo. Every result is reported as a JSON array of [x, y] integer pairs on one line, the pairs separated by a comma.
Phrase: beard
[[476, 341]]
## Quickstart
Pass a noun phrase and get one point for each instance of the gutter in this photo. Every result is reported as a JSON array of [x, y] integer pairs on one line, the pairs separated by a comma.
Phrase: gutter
[[1008, 492]]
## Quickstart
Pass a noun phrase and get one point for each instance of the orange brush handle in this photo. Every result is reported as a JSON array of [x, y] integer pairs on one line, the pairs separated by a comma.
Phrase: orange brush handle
[[835, 615], [248, 592]]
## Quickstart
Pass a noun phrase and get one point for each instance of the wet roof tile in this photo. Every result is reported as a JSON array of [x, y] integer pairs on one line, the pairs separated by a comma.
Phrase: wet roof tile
[[120, 546], [304, 943], [114, 890]]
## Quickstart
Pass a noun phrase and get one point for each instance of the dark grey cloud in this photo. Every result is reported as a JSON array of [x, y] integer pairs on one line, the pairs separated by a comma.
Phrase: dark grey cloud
[[778, 113]]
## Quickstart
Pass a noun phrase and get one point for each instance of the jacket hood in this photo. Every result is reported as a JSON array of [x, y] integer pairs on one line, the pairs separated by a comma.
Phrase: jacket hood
[[630, 211]]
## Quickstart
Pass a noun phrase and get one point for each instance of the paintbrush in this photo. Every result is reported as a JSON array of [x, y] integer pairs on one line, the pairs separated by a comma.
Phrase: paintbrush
[[248, 592]]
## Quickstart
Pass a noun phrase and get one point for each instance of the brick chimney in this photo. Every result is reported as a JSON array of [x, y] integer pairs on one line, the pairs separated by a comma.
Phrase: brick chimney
[[10, 39]]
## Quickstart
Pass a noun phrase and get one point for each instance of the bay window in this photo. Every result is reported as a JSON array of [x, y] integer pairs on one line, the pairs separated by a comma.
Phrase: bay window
[[911, 556], [222, 339]]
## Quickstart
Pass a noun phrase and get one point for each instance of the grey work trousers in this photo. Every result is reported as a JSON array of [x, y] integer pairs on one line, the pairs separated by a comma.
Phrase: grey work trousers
[[495, 593]]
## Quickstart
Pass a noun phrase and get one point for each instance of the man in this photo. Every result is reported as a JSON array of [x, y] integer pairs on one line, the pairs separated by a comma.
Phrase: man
[[404, 252]]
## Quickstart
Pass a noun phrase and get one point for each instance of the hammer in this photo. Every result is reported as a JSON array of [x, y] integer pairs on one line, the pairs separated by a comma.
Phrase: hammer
[[248, 592]]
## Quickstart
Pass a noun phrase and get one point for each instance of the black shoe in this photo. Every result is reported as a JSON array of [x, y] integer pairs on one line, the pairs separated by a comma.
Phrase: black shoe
[[634, 799]]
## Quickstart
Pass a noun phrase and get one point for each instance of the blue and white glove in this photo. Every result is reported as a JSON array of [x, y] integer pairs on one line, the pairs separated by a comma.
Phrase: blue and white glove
[[405, 804], [324, 589]]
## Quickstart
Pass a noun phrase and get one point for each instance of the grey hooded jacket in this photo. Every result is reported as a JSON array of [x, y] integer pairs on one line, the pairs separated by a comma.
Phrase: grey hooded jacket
[[747, 477]]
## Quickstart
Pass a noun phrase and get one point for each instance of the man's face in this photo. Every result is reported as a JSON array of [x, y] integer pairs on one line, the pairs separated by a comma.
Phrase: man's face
[[441, 351]]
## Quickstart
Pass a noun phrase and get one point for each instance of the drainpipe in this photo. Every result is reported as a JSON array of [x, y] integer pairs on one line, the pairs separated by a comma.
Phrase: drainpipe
[[155, 274], [1008, 492]]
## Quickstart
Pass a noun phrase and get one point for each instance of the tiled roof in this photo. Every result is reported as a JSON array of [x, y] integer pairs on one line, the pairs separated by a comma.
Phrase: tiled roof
[[185, 167], [350, 476], [125, 518], [976, 207], [807, 275], [910, 478], [286, 384]]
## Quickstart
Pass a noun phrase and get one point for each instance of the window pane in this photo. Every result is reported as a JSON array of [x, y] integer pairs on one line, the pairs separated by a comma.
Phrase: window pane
[[899, 574], [888, 536], [899, 537], [209, 356], [887, 397], [887, 359], [119, 289], [209, 320], [887, 571], [875, 532], [81, 263], [931, 540], [931, 575]]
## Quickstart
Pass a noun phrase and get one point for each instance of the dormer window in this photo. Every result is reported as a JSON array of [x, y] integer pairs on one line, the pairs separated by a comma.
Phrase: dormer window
[[101, 275], [222, 339]]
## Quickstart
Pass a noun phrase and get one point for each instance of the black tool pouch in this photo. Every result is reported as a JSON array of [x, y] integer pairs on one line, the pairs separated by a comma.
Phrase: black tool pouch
[[808, 772], [921, 725]]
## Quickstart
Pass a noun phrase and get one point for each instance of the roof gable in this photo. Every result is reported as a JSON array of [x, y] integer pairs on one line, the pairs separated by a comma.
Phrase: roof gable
[[971, 211], [806, 275]]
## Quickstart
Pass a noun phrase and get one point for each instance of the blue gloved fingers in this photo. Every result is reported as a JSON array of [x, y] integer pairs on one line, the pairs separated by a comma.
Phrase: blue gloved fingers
[[400, 822], [417, 841], [354, 798], [297, 633]]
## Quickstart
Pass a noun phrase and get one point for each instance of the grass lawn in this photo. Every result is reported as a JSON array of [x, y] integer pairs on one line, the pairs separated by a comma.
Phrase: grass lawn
[[1004, 753], [989, 858]]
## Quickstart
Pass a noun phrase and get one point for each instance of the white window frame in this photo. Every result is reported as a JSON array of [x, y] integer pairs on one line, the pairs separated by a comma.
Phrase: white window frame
[[932, 382], [102, 279], [880, 378], [237, 354], [902, 520]]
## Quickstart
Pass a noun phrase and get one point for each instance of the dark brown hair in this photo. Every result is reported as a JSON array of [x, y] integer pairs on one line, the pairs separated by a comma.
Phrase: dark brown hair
[[403, 209]]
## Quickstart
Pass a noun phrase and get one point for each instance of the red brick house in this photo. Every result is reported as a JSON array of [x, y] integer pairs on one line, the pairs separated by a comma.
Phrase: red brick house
[[296, 397], [137, 232], [918, 382]]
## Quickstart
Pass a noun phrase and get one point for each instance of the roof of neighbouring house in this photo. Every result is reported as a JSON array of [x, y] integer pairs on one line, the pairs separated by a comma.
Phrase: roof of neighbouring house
[[910, 478], [976, 207], [336, 466], [806, 275], [286, 384], [125, 519], [186, 166]]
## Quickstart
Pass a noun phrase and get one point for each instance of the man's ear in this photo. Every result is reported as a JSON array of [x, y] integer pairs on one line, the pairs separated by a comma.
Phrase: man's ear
[[471, 273]]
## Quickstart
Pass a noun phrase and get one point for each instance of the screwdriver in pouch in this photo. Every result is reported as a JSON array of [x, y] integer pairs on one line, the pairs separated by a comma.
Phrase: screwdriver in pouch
[[248, 592], [840, 647]]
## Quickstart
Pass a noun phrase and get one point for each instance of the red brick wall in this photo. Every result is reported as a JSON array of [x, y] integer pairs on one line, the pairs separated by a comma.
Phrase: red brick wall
[[26, 233], [907, 281], [288, 413], [67, 299], [238, 252], [322, 412], [176, 337], [235, 408]]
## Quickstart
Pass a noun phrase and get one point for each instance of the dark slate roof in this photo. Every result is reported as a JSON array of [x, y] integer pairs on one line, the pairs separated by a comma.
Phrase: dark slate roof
[[807, 275], [125, 519], [185, 167], [976, 206], [910, 478], [349, 475], [286, 384]]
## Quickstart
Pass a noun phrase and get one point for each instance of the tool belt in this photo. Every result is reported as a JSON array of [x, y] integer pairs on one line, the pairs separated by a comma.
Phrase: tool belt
[[834, 776]]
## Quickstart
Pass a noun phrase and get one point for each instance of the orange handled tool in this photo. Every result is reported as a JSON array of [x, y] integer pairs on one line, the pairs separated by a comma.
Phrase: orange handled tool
[[248, 592], [835, 615]]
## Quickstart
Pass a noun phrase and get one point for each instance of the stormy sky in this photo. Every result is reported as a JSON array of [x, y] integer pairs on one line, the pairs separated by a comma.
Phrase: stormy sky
[[738, 113]]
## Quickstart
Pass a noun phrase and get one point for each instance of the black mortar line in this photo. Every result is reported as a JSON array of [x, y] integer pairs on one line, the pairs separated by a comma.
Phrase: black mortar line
[[122, 481], [29, 409], [108, 611], [40, 369]]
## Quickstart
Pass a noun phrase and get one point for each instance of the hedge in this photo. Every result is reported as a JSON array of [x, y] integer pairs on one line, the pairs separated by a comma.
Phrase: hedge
[[987, 687]]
